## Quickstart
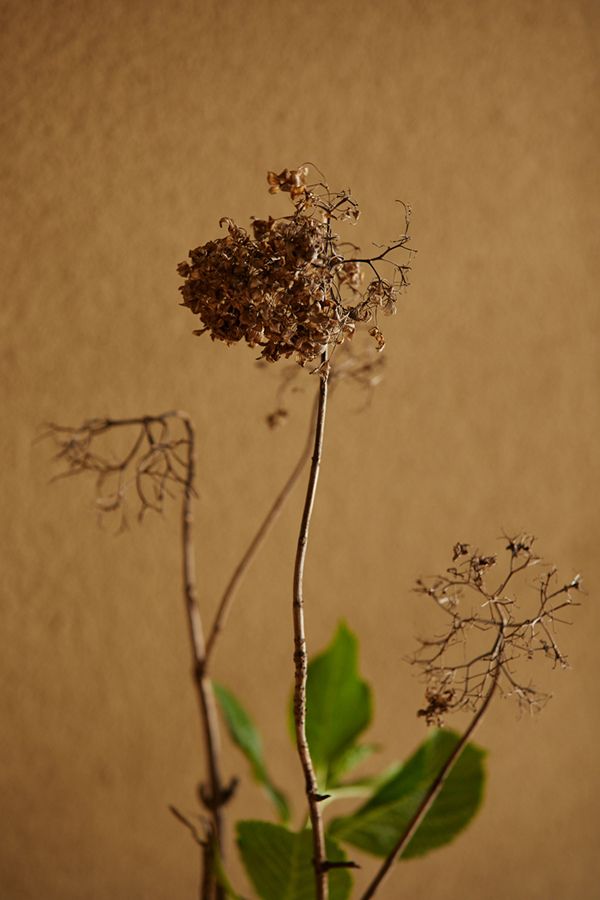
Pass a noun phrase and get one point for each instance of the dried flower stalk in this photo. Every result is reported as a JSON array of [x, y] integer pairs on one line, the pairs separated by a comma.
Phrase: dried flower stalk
[[456, 663], [155, 462], [458, 679], [289, 289]]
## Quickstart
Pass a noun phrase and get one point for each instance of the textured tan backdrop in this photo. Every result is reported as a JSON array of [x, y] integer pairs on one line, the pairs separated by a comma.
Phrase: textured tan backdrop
[[129, 128]]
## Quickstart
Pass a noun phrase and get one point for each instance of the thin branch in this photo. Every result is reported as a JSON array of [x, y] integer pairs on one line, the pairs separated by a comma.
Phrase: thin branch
[[198, 838], [384, 254], [155, 461], [300, 653], [214, 801], [471, 680], [254, 546], [435, 787]]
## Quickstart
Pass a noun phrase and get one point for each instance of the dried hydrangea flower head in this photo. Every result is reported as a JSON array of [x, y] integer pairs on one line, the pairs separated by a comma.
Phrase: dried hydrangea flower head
[[286, 286], [492, 625]]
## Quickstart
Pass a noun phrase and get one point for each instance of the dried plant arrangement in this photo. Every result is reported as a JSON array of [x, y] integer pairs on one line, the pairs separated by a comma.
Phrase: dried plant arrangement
[[290, 287]]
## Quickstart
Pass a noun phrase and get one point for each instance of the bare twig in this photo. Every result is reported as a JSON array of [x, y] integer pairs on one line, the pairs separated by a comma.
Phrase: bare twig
[[152, 462], [217, 795], [433, 791], [255, 544], [300, 653], [454, 663], [198, 838], [458, 679]]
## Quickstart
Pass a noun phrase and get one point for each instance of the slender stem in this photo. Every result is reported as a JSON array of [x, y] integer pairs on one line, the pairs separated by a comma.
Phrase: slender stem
[[215, 798], [300, 654], [213, 794], [438, 783], [254, 546], [207, 884]]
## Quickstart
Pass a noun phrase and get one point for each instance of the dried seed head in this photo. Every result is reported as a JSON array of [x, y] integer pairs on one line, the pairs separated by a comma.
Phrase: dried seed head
[[439, 702], [482, 643], [287, 287]]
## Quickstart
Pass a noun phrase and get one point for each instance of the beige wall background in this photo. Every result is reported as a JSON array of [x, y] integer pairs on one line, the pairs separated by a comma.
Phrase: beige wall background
[[129, 129]]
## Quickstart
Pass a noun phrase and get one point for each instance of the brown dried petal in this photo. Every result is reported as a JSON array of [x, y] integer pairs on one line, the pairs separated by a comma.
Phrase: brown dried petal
[[379, 338]]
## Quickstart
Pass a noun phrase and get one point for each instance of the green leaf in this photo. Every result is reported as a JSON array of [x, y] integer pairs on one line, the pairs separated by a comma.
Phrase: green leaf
[[245, 735], [358, 787], [348, 760], [279, 862], [338, 707], [377, 825]]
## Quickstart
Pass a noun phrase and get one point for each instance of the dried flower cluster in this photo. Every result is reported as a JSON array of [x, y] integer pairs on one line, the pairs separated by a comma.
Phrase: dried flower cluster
[[287, 287], [489, 629]]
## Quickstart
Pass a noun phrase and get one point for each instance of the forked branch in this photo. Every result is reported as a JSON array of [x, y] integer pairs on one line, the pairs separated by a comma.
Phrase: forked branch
[[464, 670], [154, 461], [477, 604]]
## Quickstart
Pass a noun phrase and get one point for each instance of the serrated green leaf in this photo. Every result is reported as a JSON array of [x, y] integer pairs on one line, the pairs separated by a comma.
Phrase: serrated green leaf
[[377, 825], [279, 862], [338, 706], [245, 735]]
